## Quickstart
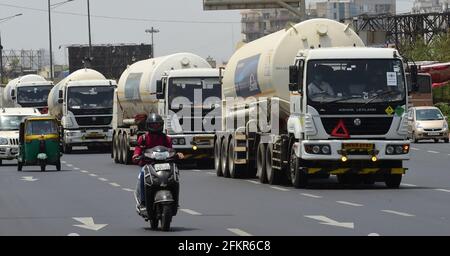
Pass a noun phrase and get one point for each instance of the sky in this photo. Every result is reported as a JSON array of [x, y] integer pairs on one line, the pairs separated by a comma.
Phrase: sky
[[184, 25]]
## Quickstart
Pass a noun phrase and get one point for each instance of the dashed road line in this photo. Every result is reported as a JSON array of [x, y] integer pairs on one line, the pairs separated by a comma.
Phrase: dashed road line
[[102, 179], [69, 165], [281, 189], [76, 168], [196, 170], [404, 214], [73, 234], [349, 203], [310, 195], [84, 171], [254, 182], [191, 212], [128, 189], [408, 185], [93, 175], [238, 232], [64, 162], [414, 148], [212, 173], [443, 190], [114, 184], [373, 234], [434, 152]]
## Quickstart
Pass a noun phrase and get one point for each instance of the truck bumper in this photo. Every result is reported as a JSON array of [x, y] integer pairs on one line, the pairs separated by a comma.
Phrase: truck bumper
[[194, 146], [9, 152], [337, 150], [88, 137]]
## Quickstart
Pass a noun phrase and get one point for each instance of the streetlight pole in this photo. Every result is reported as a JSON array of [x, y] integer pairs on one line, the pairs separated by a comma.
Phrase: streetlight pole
[[152, 31], [89, 29], [1, 46], [50, 33]]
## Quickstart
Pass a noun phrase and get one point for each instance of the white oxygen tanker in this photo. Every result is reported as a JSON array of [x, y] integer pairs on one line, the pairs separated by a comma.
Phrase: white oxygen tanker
[[27, 91], [83, 101], [151, 86], [325, 88]]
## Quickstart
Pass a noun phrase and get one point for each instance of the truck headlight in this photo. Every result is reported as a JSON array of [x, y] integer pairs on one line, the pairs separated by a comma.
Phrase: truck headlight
[[3, 141], [318, 149], [397, 149]]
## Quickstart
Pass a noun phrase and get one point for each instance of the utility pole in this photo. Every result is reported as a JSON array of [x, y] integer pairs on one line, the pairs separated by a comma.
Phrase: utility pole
[[152, 31], [50, 39], [1, 59], [89, 29]]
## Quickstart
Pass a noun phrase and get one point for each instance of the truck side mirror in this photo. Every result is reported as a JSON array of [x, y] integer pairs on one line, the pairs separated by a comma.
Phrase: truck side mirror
[[13, 94], [159, 90], [414, 78], [293, 78]]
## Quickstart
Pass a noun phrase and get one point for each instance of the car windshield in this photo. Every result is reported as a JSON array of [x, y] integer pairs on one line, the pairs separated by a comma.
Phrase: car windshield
[[10, 123], [33, 94], [39, 127], [355, 81], [428, 114], [97, 97]]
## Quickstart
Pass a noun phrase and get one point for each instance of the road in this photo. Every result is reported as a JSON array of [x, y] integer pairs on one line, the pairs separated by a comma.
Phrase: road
[[93, 196]]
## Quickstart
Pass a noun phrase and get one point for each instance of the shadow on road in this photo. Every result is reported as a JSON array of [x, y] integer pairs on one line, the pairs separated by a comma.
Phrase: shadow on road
[[172, 230]]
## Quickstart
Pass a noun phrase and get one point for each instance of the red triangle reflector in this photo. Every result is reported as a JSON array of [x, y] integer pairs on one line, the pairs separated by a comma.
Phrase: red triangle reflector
[[340, 130]]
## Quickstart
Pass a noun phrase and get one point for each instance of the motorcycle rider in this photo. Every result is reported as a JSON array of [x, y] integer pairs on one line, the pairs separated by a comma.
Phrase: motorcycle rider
[[152, 138]]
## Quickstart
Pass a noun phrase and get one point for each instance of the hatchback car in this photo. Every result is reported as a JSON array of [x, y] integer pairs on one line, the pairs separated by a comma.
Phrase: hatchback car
[[426, 123]]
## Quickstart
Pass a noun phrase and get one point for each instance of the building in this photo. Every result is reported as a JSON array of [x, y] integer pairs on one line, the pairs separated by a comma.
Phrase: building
[[371, 7], [336, 9], [426, 6]]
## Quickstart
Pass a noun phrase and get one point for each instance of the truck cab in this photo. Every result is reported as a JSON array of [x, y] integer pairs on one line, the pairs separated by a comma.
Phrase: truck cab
[[32, 94], [87, 113], [189, 100]]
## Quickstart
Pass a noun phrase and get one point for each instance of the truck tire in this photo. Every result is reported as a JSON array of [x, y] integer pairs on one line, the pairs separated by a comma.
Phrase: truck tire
[[217, 163], [236, 171], [273, 175], [119, 149], [115, 153], [298, 177], [261, 163], [126, 150], [1, 162], [67, 149], [224, 158], [393, 180]]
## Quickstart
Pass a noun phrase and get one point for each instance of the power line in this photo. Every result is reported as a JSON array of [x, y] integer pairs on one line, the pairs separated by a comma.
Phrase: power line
[[122, 18]]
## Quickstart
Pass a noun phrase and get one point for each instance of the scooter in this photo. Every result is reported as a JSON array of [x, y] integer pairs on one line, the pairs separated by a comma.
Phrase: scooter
[[161, 185]]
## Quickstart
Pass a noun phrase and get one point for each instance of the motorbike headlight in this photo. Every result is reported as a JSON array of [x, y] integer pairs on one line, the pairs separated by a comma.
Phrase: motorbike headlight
[[3, 141]]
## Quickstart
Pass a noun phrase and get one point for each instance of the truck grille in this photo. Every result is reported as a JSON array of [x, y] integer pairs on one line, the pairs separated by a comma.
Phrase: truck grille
[[369, 125], [94, 120], [13, 141]]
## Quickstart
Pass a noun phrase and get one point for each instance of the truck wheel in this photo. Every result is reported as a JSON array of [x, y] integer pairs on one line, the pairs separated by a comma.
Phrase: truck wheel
[[236, 171], [261, 163], [273, 175], [299, 178], [119, 150], [115, 150], [393, 180], [1, 162], [217, 164], [224, 159], [126, 150]]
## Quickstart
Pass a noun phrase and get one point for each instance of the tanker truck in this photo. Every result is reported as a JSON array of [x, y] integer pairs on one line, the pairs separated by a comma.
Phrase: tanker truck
[[29, 91], [184, 90], [83, 102], [312, 101]]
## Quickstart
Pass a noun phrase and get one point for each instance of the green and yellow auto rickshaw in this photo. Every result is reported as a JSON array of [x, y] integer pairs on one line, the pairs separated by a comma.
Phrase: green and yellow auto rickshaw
[[39, 143]]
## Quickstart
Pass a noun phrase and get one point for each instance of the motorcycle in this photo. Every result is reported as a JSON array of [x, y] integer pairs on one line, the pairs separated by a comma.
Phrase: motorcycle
[[161, 187]]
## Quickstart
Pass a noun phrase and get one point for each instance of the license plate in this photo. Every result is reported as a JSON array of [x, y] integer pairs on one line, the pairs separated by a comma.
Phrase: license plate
[[94, 135], [433, 133], [162, 167], [358, 146]]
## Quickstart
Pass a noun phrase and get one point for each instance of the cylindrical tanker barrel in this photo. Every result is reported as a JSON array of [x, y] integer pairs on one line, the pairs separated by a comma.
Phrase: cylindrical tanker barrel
[[55, 108], [136, 91], [261, 68]]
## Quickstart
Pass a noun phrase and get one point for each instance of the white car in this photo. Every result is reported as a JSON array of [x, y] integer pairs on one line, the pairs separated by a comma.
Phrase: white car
[[10, 119]]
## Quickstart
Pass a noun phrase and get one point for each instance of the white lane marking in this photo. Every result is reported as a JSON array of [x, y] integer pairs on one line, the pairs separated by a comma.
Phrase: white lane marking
[[191, 212], [443, 190], [327, 221], [414, 148], [196, 170], [212, 173], [76, 168], [73, 234], [373, 234], [102, 179], [28, 178], [408, 185], [278, 188], [128, 189], [88, 223], [63, 162], [93, 175], [310, 195], [349, 203], [254, 182], [404, 214], [84, 171], [69, 165], [434, 152], [114, 184], [239, 232]]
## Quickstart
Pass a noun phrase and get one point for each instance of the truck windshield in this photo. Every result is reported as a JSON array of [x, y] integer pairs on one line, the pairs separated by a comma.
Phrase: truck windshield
[[196, 90], [10, 123], [355, 81], [35, 95], [428, 114], [91, 98]]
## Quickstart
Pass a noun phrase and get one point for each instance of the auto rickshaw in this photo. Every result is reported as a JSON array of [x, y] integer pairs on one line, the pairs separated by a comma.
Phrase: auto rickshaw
[[39, 143]]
